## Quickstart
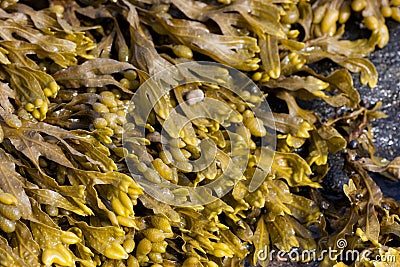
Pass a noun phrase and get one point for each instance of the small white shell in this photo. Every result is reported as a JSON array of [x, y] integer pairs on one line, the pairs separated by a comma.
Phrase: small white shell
[[194, 97]]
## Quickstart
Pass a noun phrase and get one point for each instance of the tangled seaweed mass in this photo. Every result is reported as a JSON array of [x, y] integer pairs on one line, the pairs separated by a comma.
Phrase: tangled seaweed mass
[[68, 72]]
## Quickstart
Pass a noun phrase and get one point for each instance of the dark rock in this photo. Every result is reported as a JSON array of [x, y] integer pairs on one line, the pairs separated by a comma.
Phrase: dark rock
[[386, 131]]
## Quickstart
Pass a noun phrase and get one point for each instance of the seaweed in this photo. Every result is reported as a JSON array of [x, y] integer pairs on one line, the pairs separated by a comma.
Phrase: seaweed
[[68, 72]]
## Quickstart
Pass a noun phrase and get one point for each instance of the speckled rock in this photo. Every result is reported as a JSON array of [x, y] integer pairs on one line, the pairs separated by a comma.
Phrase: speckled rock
[[386, 131]]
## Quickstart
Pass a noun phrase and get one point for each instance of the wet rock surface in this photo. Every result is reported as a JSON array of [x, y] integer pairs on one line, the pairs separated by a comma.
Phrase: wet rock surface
[[386, 131]]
